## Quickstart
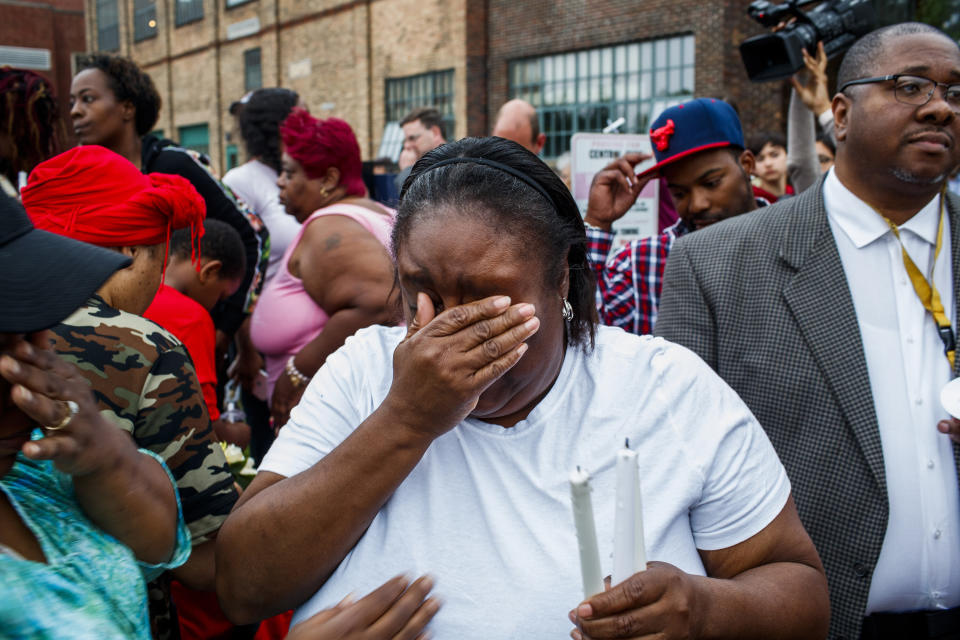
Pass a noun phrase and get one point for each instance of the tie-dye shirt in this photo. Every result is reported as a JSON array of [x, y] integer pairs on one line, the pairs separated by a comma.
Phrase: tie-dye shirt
[[91, 585]]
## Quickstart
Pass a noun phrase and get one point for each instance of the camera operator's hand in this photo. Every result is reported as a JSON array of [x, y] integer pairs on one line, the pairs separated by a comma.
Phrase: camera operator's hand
[[614, 190], [811, 83]]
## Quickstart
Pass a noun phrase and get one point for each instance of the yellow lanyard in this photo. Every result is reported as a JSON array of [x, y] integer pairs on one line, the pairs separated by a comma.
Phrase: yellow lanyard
[[926, 291]]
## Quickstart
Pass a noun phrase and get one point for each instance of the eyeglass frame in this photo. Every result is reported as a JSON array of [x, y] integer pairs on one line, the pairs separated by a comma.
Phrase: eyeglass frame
[[897, 76]]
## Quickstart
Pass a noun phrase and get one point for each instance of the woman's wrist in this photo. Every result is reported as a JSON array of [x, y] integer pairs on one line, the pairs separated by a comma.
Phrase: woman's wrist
[[298, 378], [406, 421]]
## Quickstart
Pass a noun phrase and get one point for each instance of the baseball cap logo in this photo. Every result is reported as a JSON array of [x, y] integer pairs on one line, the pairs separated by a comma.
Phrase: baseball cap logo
[[661, 135]]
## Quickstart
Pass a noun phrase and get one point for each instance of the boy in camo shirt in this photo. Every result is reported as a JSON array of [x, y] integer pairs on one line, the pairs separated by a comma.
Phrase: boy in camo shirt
[[141, 375]]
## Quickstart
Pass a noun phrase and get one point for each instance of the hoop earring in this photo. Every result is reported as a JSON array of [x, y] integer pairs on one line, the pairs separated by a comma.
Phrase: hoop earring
[[566, 310]]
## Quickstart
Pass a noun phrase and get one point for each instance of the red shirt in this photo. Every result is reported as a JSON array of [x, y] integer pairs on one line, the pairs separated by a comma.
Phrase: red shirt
[[186, 319], [760, 192]]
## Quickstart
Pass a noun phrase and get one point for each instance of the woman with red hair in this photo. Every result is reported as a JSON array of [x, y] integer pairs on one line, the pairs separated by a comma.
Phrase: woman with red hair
[[337, 275]]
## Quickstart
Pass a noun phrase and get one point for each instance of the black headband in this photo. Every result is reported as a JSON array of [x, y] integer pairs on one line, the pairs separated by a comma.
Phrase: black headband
[[500, 166]]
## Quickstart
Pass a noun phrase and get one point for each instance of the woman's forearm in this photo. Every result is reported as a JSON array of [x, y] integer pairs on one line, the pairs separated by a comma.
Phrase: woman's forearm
[[311, 520], [777, 600], [340, 325], [132, 499], [198, 572]]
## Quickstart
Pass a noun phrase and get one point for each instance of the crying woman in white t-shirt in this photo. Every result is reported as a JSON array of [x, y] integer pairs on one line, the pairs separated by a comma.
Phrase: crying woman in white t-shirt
[[444, 448]]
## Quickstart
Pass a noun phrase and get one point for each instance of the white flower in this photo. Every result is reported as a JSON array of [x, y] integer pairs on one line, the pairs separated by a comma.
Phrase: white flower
[[248, 469], [233, 453]]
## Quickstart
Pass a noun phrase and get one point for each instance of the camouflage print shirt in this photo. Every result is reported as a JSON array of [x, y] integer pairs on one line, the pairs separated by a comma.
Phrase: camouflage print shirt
[[145, 383]]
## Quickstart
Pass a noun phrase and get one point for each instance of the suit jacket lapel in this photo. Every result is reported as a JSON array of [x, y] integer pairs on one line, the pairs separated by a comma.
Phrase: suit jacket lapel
[[819, 297], [953, 210]]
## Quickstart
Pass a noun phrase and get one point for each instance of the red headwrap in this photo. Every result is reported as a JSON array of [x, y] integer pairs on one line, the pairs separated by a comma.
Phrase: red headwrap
[[92, 194]]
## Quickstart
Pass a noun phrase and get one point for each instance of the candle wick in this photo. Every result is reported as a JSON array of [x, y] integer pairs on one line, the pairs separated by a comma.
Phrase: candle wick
[[578, 468], [626, 442]]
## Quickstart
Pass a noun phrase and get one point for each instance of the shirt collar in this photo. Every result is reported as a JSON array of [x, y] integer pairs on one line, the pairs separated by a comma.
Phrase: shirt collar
[[679, 228], [863, 225]]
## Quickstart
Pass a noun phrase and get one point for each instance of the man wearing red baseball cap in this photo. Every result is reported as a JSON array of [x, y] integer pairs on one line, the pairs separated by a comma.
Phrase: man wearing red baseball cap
[[700, 152]]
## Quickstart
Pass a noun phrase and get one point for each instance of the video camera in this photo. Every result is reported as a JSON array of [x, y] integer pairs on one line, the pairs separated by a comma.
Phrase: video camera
[[838, 23]]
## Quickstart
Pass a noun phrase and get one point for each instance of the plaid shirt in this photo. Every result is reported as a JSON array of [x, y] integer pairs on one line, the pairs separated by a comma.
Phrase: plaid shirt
[[628, 284]]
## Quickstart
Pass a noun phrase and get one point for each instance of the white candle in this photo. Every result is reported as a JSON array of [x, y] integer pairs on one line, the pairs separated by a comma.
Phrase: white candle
[[629, 552], [586, 533]]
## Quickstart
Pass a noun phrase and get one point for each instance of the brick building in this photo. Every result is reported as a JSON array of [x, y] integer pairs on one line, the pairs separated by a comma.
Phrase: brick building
[[583, 63], [43, 37]]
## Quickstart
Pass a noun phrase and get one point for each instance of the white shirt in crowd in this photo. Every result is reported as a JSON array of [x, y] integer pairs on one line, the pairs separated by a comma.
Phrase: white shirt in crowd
[[487, 510], [256, 184], [919, 564]]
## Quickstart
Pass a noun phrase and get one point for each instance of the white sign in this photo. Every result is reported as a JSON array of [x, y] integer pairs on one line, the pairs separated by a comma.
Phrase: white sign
[[591, 152], [300, 68], [243, 28]]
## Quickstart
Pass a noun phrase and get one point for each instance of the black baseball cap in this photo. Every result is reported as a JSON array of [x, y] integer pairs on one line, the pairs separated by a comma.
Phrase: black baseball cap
[[44, 276]]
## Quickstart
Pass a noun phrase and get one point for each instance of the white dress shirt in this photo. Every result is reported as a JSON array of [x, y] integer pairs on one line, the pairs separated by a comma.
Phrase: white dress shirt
[[919, 564]]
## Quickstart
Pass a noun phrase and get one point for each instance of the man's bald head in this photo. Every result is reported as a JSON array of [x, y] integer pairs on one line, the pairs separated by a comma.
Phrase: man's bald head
[[862, 58], [517, 120]]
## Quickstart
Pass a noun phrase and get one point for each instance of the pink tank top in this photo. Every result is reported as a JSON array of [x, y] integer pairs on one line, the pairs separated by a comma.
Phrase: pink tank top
[[286, 318]]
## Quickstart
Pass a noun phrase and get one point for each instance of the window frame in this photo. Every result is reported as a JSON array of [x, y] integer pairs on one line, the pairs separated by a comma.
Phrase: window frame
[[102, 28], [182, 18], [580, 90], [247, 54], [430, 89], [191, 128], [143, 12]]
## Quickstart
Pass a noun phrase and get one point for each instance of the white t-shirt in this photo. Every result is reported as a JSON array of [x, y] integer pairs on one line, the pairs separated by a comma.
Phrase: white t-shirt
[[487, 510], [256, 184]]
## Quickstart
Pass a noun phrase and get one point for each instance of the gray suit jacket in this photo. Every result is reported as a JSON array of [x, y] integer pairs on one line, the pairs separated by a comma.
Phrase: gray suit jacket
[[764, 300]]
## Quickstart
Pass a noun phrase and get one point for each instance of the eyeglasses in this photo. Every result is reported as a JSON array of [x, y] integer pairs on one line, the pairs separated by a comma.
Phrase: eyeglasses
[[914, 90]]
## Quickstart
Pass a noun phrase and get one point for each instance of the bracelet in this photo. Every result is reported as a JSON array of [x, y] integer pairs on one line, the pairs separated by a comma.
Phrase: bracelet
[[297, 378], [587, 225]]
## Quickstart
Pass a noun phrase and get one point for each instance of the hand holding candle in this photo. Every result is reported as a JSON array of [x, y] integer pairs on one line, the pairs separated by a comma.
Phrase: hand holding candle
[[629, 552], [586, 533]]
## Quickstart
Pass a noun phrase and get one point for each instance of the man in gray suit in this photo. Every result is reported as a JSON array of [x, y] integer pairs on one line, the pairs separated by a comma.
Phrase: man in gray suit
[[832, 314]]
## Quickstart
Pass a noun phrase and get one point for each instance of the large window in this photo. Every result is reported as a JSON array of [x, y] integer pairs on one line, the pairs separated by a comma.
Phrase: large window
[[108, 25], [196, 137], [252, 74], [587, 90], [189, 11], [433, 89], [144, 19], [25, 58]]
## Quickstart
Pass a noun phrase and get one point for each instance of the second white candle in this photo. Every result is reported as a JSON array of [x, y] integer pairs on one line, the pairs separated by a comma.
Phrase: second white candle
[[629, 551]]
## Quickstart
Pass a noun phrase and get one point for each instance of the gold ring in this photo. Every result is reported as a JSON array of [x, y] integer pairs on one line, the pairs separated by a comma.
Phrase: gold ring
[[72, 409]]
